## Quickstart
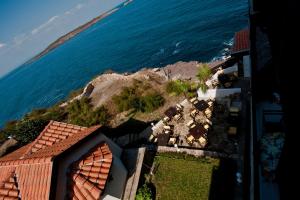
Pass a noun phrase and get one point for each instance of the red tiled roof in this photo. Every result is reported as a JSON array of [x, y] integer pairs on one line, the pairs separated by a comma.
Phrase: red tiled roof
[[31, 165], [25, 181], [9, 188], [241, 42], [89, 174], [56, 138]]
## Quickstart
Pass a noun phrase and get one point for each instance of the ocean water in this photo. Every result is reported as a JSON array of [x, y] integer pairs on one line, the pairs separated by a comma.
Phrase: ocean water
[[142, 34]]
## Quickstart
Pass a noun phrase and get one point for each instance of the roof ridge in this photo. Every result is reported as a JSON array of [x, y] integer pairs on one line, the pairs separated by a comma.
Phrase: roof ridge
[[27, 161], [56, 138], [60, 147], [35, 141]]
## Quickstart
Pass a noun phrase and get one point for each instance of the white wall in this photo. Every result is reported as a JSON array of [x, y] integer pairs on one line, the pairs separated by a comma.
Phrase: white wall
[[217, 93], [231, 69], [116, 186]]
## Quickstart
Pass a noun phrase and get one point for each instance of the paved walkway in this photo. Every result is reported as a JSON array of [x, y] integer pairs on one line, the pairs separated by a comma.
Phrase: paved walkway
[[195, 152], [133, 179]]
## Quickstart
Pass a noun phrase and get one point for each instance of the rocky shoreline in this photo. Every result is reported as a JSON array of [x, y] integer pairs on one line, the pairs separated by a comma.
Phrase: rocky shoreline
[[104, 86]]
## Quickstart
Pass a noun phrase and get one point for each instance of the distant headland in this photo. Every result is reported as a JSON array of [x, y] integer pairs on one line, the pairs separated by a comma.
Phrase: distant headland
[[76, 31]]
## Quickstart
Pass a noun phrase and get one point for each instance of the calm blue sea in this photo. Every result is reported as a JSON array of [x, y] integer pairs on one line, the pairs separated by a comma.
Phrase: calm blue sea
[[142, 34]]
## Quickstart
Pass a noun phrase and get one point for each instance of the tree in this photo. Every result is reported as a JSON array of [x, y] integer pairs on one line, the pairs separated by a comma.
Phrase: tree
[[26, 131], [203, 74], [144, 193]]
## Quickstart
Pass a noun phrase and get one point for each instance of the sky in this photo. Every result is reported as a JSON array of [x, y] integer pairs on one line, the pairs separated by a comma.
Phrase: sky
[[28, 27]]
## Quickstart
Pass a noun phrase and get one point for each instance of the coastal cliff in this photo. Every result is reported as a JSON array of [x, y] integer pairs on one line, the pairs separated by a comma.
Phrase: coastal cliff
[[105, 86]]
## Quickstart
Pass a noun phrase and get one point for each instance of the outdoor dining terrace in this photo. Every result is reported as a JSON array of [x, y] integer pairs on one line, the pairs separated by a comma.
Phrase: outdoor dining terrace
[[199, 124]]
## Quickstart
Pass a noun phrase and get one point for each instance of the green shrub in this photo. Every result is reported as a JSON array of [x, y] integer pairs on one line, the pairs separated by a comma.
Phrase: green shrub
[[179, 87], [81, 112], [203, 87], [204, 73], [144, 193], [75, 93], [138, 98], [175, 87], [151, 102], [127, 99]]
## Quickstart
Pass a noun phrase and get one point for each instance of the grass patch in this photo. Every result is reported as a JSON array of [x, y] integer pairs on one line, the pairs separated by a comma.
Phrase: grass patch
[[183, 177]]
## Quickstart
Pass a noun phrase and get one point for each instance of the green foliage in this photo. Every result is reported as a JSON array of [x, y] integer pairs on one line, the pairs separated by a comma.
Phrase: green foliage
[[144, 193], [75, 93], [179, 87], [203, 87], [204, 73], [55, 113], [150, 102], [140, 97], [81, 112], [127, 99], [34, 114], [2, 136], [26, 130]]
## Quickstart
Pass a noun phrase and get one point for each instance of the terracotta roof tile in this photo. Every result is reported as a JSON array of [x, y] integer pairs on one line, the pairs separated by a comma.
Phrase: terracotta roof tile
[[90, 173], [31, 165], [241, 42], [8, 185]]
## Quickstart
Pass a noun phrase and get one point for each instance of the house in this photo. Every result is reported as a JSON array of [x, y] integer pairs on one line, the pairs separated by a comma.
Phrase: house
[[240, 50], [64, 162], [241, 44]]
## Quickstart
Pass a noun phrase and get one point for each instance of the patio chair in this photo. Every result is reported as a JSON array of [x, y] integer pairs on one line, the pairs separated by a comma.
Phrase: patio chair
[[192, 100], [208, 122], [206, 126], [202, 141], [194, 113], [190, 139], [192, 126], [195, 102], [172, 141], [179, 107], [190, 123], [167, 127], [166, 119], [177, 117], [208, 113], [167, 131]]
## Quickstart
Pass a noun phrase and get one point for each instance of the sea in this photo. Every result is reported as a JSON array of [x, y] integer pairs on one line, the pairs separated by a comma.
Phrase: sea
[[142, 34]]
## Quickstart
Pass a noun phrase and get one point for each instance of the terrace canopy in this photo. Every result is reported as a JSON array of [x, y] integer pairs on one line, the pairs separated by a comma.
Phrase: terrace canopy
[[201, 105], [171, 112], [197, 131], [163, 139]]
